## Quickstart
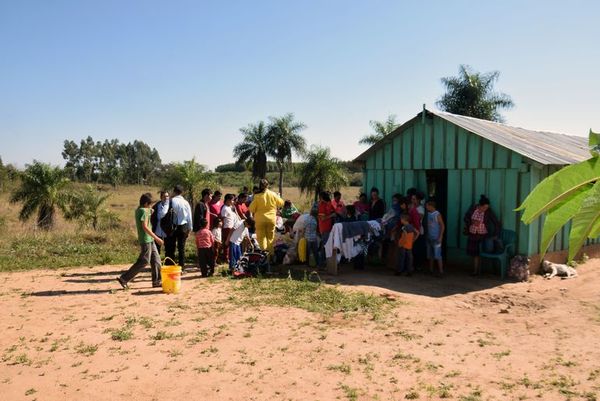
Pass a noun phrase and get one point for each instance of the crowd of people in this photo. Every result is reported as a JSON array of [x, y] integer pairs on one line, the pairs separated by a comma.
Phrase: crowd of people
[[413, 229]]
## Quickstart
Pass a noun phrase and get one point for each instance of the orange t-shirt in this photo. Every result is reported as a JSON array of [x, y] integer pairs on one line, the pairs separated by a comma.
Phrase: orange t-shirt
[[407, 237]]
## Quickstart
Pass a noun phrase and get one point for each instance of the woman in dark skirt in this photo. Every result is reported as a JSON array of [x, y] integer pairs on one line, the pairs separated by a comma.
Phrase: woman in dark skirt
[[480, 224]]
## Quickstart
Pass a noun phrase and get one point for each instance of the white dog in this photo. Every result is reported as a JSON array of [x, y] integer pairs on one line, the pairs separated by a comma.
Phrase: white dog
[[556, 269]]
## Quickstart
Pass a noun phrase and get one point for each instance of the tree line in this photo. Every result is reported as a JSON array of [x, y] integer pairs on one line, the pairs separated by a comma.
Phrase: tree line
[[110, 162]]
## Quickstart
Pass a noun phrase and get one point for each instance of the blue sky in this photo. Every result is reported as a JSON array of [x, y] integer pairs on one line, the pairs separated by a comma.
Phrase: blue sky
[[183, 76]]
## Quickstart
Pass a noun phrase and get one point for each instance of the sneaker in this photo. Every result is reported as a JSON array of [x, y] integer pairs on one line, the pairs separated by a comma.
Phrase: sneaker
[[157, 284], [123, 283]]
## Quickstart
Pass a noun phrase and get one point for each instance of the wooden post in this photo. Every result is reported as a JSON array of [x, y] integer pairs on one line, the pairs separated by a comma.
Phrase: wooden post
[[332, 266]]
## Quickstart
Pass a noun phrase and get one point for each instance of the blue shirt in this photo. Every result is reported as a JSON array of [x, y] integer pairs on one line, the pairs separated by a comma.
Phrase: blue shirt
[[183, 211], [310, 229], [433, 226]]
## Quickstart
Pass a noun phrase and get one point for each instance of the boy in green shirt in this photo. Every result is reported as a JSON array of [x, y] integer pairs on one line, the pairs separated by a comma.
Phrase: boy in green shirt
[[149, 252]]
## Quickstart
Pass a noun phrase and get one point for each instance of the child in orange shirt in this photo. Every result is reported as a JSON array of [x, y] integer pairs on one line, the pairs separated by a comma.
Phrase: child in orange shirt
[[404, 256]]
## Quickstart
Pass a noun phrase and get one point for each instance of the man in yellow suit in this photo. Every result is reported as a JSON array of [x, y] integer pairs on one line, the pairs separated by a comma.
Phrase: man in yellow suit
[[264, 210]]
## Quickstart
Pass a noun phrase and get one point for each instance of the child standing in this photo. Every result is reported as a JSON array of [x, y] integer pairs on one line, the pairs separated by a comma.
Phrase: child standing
[[435, 234], [236, 237], [312, 239], [404, 256], [216, 231], [148, 240], [205, 242]]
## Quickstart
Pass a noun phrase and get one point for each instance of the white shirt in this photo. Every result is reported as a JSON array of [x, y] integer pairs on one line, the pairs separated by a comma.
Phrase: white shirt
[[239, 233], [229, 216], [183, 211]]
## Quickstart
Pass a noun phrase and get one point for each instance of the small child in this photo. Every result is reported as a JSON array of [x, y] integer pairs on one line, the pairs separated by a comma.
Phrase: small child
[[404, 255], [435, 234], [312, 240], [236, 237], [148, 240], [216, 231], [205, 242]]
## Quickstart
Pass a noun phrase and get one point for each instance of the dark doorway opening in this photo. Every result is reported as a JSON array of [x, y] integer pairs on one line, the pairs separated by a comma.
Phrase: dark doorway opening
[[437, 190]]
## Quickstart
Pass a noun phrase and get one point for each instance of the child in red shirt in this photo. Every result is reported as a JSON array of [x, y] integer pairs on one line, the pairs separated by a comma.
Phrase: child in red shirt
[[205, 244]]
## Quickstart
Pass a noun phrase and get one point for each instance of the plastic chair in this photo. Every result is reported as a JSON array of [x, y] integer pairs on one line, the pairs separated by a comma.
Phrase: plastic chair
[[508, 238]]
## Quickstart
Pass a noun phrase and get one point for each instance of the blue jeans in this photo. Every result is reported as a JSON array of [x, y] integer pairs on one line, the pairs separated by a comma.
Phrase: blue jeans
[[235, 253], [404, 260]]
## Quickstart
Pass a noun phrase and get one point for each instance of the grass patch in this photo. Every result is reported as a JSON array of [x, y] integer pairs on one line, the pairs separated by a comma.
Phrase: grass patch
[[307, 295], [87, 350], [351, 393], [344, 368], [161, 335], [122, 334]]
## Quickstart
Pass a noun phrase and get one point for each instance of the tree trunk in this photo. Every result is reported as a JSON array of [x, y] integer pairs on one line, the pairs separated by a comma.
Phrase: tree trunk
[[281, 181]]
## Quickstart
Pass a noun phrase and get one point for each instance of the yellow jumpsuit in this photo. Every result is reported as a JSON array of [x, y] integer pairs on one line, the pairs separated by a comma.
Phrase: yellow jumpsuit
[[264, 209]]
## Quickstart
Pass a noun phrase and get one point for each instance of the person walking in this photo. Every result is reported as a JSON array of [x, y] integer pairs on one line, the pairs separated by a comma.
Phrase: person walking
[[148, 240], [264, 210], [182, 221]]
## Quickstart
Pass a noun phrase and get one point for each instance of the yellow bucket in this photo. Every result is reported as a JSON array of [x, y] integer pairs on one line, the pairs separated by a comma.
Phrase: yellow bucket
[[302, 250], [171, 278]]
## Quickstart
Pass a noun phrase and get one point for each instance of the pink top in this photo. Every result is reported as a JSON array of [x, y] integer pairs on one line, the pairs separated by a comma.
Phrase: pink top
[[338, 206], [478, 223], [204, 239]]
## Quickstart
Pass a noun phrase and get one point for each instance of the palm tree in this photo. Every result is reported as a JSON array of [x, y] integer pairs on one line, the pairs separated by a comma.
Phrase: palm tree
[[42, 190], [283, 139], [472, 94], [253, 149], [381, 130], [86, 206], [321, 172]]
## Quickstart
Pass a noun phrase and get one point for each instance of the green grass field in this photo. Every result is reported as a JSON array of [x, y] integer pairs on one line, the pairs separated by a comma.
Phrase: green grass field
[[24, 247]]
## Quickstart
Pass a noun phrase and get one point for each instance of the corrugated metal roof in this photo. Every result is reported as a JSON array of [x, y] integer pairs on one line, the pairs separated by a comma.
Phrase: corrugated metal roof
[[547, 148]]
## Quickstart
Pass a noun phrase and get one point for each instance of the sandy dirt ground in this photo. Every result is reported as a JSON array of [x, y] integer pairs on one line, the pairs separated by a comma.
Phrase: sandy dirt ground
[[64, 336]]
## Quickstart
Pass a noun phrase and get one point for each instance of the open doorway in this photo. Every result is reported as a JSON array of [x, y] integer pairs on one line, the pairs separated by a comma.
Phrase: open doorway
[[437, 190]]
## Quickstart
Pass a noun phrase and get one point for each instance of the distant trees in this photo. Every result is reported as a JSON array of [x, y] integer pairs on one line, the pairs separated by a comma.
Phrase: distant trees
[[253, 149], [321, 171], [191, 175], [472, 94], [110, 162], [42, 190], [381, 129]]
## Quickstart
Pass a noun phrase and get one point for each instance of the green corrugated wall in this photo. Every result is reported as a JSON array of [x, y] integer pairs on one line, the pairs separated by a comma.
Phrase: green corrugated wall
[[475, 166]]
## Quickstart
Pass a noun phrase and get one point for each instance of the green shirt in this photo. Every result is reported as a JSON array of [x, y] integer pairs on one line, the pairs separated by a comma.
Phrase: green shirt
[[141, 215]]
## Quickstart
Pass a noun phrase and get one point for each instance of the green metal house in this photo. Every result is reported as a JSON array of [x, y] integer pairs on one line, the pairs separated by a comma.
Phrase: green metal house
[[455, 159]]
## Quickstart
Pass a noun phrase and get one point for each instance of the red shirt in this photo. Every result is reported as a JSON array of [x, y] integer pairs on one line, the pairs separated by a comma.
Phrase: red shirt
[[204, 239], [325, 210], [215, 208], [242, 210], [414, 218], [338, 206]]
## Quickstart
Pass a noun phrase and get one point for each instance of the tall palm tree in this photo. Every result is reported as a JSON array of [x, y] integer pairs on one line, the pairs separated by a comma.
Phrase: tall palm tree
[[472, 94], [42, 190], [381, 130], [253, 149], [283, 139], [321, 172]]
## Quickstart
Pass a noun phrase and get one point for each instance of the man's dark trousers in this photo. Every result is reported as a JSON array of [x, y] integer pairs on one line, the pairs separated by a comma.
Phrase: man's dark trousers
[[176, 241]]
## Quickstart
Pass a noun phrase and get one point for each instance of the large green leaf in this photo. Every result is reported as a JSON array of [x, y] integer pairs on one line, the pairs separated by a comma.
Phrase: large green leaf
[[560, 215], [557, 187], [585, 220], [594, 143], [595, 231]]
